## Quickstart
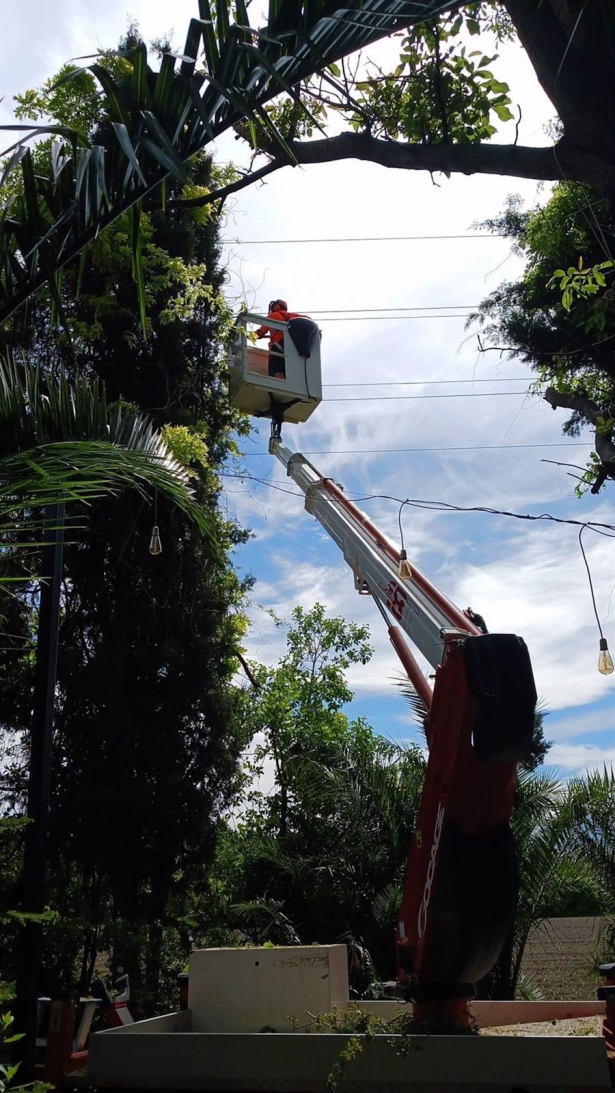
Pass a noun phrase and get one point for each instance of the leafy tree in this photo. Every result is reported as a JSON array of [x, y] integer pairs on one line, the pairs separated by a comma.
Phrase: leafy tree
[[591, 810], [158, 120], [437, 107], [435, 110], [323, 855], [559, 317], [147, 746], [296, 708]]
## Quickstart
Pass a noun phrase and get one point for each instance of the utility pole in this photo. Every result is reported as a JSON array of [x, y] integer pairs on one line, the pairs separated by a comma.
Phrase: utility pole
[[39, 791]]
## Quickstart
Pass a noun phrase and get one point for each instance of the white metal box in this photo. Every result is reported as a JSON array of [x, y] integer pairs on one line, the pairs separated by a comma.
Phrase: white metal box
[[256, 990]]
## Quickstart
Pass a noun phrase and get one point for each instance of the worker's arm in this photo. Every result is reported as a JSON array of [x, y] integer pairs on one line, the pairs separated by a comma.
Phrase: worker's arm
[[262, 331]]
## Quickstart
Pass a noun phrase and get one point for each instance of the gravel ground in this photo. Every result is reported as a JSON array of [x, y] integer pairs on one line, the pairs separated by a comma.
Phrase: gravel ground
[[579, 1026]]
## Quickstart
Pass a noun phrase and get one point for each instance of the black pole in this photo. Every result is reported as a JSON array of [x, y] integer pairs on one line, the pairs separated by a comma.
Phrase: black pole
[[39, 791]]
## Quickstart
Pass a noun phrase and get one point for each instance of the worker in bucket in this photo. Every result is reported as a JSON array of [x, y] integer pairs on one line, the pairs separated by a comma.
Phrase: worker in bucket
[[278, 310]]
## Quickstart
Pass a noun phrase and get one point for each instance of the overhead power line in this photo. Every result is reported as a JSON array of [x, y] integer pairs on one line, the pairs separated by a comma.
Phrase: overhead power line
[[431, 383], [363, 310], [391, 318], [456, 448], [406, 398], [364, 239]]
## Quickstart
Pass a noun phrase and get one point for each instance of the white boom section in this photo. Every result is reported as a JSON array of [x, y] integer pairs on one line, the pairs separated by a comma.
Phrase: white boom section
[[419, 609]]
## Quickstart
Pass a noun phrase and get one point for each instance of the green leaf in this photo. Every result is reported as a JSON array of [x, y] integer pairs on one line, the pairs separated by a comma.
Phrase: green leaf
[[502, 112], [498, 87], [175, 166], [123, 137]]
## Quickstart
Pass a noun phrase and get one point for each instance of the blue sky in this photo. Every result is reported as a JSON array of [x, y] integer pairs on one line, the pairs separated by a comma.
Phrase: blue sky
[[523, 577]]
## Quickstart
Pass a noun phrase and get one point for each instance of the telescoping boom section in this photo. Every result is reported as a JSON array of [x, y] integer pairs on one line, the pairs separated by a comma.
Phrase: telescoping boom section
[[461, 888]]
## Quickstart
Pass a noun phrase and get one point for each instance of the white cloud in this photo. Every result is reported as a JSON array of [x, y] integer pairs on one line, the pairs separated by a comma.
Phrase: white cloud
[[572, 758], [539, 589]]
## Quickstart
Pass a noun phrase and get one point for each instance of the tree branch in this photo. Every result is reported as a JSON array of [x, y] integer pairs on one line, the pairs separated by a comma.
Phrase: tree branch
[[248, 671], [604, 442], [490, 159], [226, 191]]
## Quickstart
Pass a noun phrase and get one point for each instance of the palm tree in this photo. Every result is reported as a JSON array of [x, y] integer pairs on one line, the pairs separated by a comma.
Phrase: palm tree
[[157, 120], [591, 804], [549, 873], [59, 442]]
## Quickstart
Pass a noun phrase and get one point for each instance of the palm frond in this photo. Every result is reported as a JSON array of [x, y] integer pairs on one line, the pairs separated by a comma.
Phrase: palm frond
[[386, 904], [159, 119], [265, 919], [60, 443]]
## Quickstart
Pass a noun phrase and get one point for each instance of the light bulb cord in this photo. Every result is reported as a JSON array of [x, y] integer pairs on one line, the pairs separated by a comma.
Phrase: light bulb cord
[[591, 583], [401, 530]]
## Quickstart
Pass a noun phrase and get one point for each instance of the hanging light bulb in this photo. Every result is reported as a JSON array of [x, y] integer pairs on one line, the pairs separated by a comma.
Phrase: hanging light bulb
[[605, 660], [403, 569], [155, 543]]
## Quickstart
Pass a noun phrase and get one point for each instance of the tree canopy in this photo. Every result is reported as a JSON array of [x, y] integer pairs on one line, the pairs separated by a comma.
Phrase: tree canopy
[[438, 106], [156, 119], [147, 744], [435, 110], [559, 317]]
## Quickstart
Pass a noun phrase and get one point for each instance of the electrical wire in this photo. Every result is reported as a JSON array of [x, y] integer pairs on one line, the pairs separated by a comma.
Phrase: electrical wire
[[431, 383], [458, 448], [442, 506], [392, 318], [363, 239], [361, 310], [401, 530], [405, 398], [589, 578]]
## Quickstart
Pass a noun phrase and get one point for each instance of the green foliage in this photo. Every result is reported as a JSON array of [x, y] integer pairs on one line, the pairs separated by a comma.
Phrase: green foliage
[[361, 1028], [439, 91], [555, 877], [567, 337], [321, 857], [59, 442], [155, 120], [186, 445], [591, 811], [582, 282], [147, 746], [7, 1072]]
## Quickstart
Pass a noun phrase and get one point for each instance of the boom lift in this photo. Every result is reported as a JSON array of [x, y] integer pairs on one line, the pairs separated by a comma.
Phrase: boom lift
[[460, 890]]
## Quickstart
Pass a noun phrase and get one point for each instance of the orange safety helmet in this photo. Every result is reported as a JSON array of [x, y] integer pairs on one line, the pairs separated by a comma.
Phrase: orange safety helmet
[[278, 305]]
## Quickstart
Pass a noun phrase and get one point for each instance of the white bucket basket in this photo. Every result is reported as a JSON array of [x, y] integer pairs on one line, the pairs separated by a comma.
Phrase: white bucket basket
[[255, 392]]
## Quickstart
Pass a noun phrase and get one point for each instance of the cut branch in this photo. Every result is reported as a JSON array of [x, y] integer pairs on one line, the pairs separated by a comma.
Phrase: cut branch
[[604, 441]]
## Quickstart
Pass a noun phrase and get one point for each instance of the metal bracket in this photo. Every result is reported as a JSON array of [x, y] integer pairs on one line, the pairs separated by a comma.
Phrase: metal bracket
[[361, 585], [311, 497]]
